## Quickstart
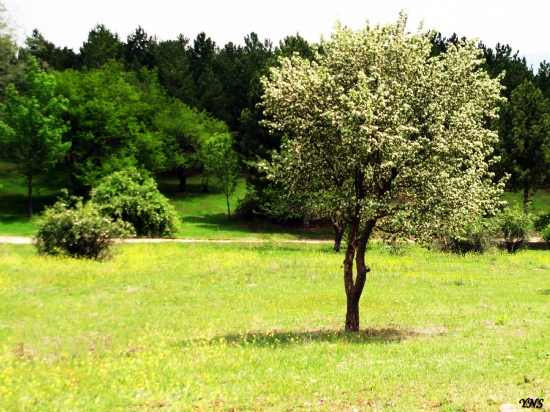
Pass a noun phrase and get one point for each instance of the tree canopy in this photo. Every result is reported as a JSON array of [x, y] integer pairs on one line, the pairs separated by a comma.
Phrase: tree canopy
[[525, 140], [386, 136], [32, 129]]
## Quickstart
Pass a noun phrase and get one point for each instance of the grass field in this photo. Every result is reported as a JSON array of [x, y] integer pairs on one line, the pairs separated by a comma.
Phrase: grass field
[[259, 327], [204, 215]]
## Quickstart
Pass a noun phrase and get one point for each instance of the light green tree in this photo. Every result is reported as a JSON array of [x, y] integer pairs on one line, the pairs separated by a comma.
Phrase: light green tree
[[384, 136], [222, 163], [32, 128]]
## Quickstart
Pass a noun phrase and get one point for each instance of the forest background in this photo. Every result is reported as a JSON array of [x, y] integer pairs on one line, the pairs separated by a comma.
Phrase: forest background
[[158, 105]]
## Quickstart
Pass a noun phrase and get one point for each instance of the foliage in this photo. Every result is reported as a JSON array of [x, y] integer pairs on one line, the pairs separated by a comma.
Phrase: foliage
[[72, 229], [174, 69], [546, 233], [32, 127], [476, 237], [185, 131], [139, 51], [524, 144], [541, 221], [101, 46], [132, 197], [222, 163], [386, 136], [110, 114], [50, 56], [513, 226], [503, 61]]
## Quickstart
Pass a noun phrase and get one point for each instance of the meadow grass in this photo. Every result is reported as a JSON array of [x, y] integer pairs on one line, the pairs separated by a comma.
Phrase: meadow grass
[[259, 327], [204, 215]]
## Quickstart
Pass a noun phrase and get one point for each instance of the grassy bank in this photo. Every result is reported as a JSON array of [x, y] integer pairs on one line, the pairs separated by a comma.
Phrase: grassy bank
[[259, 327]]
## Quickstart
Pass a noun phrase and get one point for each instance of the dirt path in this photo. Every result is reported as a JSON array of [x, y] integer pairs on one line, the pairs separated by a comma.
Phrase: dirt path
[[15, 240], [27, 240]]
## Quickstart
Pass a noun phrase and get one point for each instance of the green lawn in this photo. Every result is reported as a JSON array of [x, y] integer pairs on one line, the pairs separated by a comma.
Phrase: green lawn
[[204, 215], [540, 201], [259, 327]]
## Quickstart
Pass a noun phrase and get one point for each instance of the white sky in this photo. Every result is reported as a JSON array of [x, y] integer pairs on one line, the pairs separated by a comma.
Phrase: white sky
[[522, 24]]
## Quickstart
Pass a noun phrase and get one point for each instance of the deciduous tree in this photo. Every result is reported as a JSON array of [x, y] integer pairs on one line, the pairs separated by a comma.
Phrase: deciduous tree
[[385, 135], [222, 163], [111, 114], [32, 129]]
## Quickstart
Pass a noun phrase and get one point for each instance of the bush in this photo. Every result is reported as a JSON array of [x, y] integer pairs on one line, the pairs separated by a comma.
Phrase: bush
[[513, 225], [541, 221], [546, 234], [475, 238], [80, 231], [131, 197]]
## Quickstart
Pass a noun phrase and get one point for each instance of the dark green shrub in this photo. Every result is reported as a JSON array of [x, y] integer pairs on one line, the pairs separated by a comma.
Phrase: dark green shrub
[[131, 197], [546, 233], [476, 237], [78, 230], [541, 221], [513, 225]]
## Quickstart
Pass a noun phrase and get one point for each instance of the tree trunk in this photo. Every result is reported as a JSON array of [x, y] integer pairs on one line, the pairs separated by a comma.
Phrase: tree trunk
[[354, 289], [525, 199], [305, 219], [30, 196], [338, 233], [183, 178], [228, 209]]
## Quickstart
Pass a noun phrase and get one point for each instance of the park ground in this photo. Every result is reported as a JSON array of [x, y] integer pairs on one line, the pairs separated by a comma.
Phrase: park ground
[[259, 326]]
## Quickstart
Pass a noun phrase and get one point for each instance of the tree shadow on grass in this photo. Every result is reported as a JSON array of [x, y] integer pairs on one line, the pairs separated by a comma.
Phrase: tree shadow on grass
[[14, 208], [220, 221], [544, 292], [337, 336]]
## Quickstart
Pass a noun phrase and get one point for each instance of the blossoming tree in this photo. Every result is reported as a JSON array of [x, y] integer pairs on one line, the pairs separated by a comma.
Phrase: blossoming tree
[[384, 136]]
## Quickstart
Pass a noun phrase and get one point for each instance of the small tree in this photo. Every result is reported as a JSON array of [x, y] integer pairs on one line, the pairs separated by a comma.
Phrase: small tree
[[222, 163], [132, 197], [32, 129], [514, 227], [385, 136]]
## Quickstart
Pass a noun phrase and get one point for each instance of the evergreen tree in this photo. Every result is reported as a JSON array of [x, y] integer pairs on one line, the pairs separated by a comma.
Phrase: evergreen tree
[[101, 46], [525, 147]]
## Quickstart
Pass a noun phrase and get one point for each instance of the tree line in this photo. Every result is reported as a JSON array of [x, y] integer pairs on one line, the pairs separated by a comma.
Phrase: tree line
[[154, 104]]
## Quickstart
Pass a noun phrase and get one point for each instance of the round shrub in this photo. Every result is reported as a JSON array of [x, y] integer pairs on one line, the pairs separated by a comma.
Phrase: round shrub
[[514, 225], [475, 238], [78, 231], [131, 197], [541, 221]]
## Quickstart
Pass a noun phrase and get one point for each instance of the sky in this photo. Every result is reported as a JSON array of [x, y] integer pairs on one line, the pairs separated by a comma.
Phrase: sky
[[523, 24]]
